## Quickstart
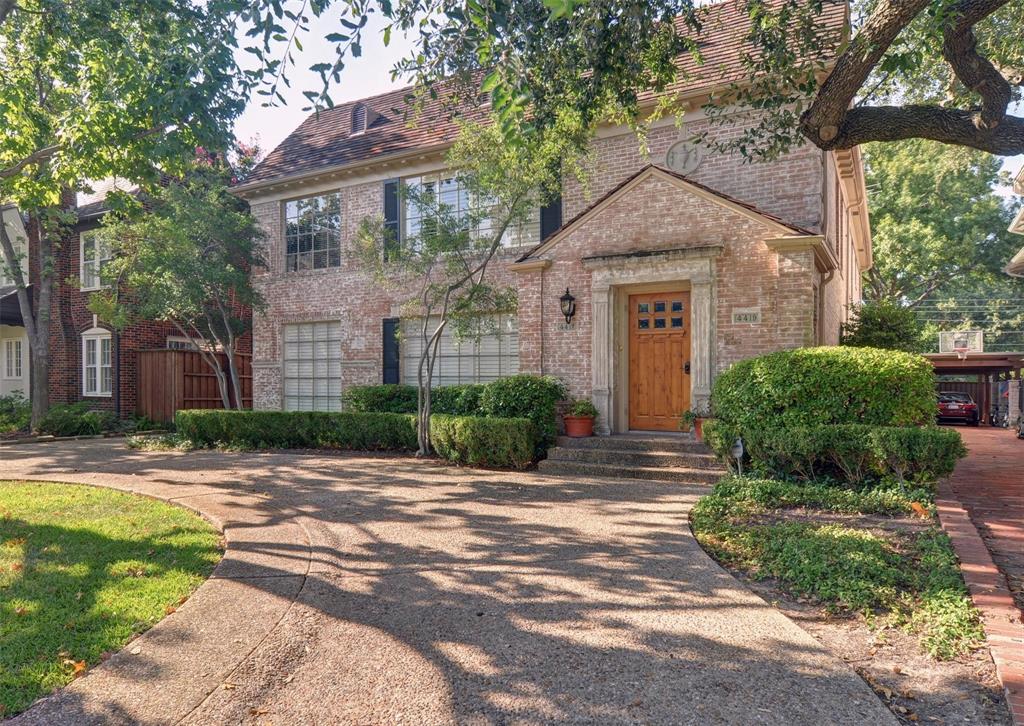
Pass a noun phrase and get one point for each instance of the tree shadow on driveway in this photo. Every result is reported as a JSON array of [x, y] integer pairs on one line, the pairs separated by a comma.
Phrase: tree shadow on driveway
[[433, 595]]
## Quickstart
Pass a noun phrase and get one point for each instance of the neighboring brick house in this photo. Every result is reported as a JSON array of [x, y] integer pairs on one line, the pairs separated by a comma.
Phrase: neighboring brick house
[[681, 262], [89, 359]]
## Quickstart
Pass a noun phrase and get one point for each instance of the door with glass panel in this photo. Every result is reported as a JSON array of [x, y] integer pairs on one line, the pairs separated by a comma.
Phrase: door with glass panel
[[659, 360]]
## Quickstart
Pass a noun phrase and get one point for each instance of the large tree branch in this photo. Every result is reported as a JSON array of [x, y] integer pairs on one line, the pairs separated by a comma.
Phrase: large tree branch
[[821, 122], [947, 125], [960, 49]]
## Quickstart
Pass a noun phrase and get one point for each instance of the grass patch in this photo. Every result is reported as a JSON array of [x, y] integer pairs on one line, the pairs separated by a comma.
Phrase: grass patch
[[910, 578], [82, 571]]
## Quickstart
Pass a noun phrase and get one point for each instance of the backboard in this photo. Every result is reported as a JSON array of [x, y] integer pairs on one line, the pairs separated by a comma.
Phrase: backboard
[[961, 341]]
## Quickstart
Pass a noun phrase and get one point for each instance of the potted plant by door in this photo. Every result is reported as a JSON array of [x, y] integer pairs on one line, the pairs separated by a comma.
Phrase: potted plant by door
[[579, 420], [690, 419]]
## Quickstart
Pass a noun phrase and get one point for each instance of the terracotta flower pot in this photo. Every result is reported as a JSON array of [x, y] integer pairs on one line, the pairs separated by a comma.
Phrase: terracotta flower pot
[[698, 428], [579, 427]]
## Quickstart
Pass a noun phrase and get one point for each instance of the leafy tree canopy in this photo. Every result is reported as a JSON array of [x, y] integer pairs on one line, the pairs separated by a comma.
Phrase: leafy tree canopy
[[883, 324], [939, 226], [946, 70]]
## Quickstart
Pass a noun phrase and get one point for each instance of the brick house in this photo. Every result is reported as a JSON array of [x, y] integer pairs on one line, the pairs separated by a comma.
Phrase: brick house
[[680, 261]]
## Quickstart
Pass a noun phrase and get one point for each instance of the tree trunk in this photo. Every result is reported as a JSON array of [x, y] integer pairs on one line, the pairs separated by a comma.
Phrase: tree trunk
[[39, 372]]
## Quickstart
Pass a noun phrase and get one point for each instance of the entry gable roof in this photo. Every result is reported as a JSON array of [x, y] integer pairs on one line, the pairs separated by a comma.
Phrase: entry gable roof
[[785, 229]]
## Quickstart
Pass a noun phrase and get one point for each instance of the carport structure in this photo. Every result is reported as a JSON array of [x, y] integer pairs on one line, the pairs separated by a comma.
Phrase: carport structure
[[954, 373]]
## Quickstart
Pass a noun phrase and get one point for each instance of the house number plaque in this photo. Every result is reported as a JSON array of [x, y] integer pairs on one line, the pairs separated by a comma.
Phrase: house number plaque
[[746, 316]]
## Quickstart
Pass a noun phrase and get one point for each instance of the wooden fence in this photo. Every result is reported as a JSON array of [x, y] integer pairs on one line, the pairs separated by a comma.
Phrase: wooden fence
[[170, 380]]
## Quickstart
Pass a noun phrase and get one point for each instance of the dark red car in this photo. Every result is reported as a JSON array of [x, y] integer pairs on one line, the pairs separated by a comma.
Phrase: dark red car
[[956, 406]]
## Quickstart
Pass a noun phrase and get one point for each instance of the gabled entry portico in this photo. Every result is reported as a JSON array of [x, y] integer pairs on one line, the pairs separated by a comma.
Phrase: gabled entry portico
[[614, 278]]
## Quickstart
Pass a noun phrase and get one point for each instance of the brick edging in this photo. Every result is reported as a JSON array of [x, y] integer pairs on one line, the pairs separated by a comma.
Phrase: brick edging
[[1004, 629]]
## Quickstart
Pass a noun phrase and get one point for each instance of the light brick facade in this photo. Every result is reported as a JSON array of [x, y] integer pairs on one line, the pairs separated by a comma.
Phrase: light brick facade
[[798, 265]]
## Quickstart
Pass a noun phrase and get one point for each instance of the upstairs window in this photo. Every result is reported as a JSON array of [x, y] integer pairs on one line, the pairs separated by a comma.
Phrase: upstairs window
[[95, 253], [312, 233], [358, 119], [447, 192]]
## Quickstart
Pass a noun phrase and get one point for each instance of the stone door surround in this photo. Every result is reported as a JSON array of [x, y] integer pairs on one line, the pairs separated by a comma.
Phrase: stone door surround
[[611, 277]]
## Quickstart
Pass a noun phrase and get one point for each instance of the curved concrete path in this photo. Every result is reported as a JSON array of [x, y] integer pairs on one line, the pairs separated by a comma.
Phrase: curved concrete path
[[362, 590]]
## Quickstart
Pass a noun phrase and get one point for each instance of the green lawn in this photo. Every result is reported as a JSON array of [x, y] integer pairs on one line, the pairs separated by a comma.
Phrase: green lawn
[[82, 571]]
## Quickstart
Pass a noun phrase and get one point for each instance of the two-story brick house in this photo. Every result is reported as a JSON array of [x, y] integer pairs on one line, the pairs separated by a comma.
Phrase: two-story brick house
[[681, 261]]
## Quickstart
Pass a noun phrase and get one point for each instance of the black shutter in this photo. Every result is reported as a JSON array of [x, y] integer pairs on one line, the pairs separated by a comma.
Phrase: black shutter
[[550, 218], [390, 350], [392, 217]]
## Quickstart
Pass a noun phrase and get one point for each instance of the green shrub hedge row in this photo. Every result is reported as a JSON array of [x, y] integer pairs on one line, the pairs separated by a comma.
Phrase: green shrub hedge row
[[848, 452], [519, 396], [461, 400], [829, 385], [497, 442], [507, 443]]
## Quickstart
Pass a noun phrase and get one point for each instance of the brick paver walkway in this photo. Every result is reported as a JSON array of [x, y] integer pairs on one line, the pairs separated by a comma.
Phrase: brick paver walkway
[[982, 508]]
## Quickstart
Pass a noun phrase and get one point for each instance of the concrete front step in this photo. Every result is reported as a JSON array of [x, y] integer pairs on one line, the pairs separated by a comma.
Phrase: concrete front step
[[692, 459], [680, 474], [635, 442]]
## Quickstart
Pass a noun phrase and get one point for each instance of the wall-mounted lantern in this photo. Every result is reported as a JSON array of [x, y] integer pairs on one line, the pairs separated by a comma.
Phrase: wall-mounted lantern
[[568, 306]]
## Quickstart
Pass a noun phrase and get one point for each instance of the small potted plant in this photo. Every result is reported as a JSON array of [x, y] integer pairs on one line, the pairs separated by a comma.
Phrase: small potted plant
[[690, 419], [579, 420]]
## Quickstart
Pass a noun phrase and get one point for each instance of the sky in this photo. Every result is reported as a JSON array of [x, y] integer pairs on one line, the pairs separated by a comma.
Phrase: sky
[[362, 77], [365, 76]]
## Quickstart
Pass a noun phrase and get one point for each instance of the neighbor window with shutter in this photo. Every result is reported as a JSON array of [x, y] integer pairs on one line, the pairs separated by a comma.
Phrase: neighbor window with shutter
[[312, 366], [94, 254], [312, 233], [490, 353]]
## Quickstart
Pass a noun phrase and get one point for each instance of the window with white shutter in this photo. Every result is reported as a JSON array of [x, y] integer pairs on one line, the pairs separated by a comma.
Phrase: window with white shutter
[[490, 353], [312, 366]]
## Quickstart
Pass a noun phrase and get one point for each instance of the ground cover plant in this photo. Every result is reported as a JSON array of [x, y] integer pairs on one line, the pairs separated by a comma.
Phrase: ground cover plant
[[82, 571], [877, 551]]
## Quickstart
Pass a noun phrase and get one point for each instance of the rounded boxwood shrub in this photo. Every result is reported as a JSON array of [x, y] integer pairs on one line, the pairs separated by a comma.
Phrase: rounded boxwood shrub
[[828, 385], [526, 396]]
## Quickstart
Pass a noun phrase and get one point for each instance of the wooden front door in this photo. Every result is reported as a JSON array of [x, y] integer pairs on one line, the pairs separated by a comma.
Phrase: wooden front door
[[659, 358]]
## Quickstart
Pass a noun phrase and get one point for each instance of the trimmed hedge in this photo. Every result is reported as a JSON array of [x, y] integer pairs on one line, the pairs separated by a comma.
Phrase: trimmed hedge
[[828, 385], [480, 441], [519, 396], [298, 429], [526, 396], [847, 452]]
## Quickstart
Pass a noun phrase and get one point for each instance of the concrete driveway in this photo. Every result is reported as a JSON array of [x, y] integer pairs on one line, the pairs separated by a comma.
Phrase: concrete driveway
[[363, 590]]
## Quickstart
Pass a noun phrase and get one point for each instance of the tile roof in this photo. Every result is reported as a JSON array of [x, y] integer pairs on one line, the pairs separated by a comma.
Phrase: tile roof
[[323, 140], [797, 230]]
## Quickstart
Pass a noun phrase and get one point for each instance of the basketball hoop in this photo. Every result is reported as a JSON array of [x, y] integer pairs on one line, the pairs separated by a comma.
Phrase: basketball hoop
[[961, 353]]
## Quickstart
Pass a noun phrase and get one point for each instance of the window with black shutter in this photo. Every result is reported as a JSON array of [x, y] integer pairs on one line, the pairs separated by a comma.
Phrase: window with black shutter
[[550, 218], [392, 218], [391, 368]]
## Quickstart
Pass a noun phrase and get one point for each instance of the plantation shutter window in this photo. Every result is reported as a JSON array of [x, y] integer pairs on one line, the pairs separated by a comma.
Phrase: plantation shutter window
[[97, 371], [312, 233], [312, 366], [492, 352]]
